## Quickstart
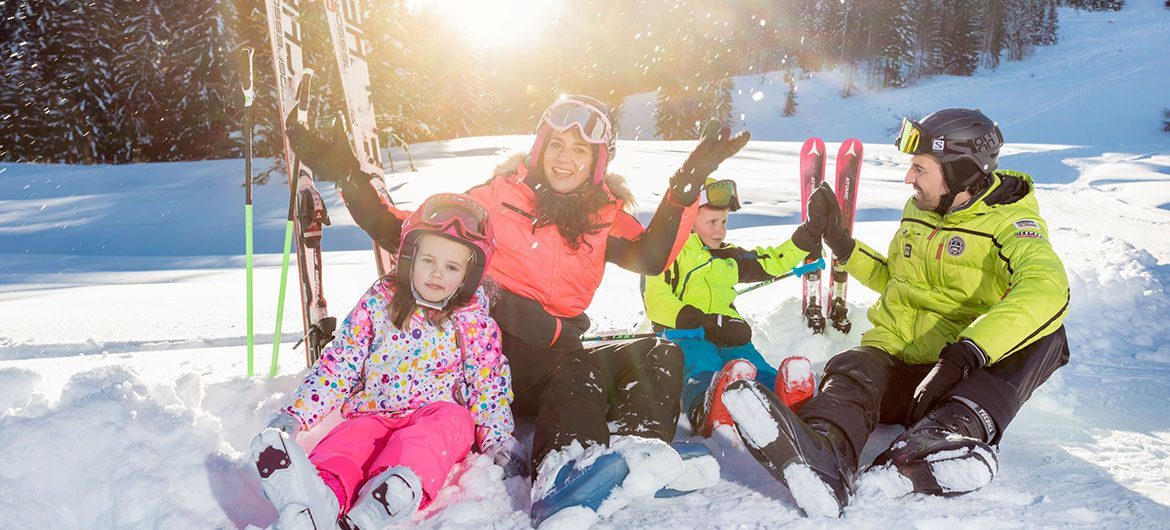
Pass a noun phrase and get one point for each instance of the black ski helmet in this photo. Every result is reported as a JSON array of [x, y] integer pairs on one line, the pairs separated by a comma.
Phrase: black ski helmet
[[965, 141]]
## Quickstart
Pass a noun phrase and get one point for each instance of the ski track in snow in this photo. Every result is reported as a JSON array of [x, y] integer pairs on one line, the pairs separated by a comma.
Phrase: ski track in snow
[[121, 312]]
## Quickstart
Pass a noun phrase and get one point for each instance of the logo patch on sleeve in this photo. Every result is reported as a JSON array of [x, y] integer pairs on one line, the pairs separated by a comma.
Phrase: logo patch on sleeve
[[1024, 224], [956, 245], [1029, 234], [906, 250]]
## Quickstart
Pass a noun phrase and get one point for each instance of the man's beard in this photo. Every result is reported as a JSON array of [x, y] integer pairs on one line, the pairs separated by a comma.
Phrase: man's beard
[[924, 202]]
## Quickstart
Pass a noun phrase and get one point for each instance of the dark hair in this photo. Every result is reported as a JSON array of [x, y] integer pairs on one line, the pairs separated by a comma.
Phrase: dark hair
[[575, 214]]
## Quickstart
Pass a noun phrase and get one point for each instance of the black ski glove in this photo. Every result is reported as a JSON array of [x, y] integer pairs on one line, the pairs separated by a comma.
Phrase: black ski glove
[[955, 362], [822, 210], [331, 160], [715, 145], [689, 317], [839, 241], [725, 330]]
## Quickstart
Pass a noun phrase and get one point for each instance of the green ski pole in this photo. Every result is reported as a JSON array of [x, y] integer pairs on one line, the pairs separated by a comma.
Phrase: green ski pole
[[288, 235], [289, 228], [245, 70]]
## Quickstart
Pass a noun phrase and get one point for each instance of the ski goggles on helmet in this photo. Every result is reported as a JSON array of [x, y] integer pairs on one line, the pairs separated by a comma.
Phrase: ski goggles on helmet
[[591, 121], [912, 140], [444, 212], [720, 194]]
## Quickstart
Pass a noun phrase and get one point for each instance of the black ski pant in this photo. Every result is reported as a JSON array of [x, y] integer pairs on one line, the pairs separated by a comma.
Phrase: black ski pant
[[578, 395], [864, 386]]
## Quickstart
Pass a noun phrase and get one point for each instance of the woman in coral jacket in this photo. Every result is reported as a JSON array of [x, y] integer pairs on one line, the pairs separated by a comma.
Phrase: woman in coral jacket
[[559, 218]]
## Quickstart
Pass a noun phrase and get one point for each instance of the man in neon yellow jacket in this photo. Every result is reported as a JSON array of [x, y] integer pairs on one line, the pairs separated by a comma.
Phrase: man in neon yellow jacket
[[697, 292], [968, 324]]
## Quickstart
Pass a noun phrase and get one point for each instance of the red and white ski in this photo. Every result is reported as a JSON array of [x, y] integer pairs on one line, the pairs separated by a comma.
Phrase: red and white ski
[[306, 207], [306, 210], [812, 173], [848, 173]]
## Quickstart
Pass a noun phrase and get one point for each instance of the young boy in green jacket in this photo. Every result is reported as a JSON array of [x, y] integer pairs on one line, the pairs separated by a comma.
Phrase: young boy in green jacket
[[697, 292]]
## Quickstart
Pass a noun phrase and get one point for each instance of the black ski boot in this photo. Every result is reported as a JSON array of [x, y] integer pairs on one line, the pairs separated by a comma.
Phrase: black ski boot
[[946, 453], [814, 460]]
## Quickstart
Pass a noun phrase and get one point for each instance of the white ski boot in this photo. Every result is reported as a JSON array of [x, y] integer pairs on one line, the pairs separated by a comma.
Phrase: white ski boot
[[388, 498], [291, 484]]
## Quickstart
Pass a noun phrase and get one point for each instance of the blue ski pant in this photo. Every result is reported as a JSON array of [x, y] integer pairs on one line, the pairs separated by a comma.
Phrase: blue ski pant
[[702, 359]]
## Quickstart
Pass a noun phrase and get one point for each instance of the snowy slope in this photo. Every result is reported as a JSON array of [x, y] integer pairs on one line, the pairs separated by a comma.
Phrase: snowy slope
[[121, 309]]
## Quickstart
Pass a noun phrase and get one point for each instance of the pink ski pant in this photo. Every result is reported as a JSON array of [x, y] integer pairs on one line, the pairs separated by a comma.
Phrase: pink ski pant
[[429, 441]]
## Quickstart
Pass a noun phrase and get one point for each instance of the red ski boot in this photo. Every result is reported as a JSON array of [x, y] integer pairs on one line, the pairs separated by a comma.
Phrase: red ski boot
[[714, 413], [794, 382]]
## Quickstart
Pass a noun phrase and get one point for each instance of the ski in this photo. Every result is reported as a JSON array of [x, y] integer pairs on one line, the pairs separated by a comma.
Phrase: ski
[[349, 50], [812, 173], [306, 211], [848, 172]]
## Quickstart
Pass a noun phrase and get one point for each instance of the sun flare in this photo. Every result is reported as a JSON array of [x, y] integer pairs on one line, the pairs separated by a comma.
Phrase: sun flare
[[495, 23]]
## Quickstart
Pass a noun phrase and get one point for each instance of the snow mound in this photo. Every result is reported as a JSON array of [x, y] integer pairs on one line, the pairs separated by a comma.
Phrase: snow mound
[[116, 441]]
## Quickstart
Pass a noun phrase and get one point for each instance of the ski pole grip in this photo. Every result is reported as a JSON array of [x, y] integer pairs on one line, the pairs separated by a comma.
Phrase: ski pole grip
[[809, 267], [244, 66], [303, 87]]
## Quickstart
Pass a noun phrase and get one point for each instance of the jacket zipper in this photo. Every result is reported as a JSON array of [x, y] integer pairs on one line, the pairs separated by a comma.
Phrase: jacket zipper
[[937, 256]]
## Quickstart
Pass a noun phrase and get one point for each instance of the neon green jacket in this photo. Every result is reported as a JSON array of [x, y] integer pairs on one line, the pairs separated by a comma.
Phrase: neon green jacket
[[986, 272], [705, 278]]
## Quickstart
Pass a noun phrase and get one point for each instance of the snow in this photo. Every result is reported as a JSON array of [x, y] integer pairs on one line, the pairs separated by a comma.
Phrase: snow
[[125, 403], [962, 471], [752, 417], [653, 464], [812, 492]]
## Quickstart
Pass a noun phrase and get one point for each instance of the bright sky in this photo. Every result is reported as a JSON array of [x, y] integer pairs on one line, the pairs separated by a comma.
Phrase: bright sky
[[495, 23]]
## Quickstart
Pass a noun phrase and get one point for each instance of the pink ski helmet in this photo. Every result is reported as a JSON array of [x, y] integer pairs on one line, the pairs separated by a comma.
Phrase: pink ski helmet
[[456, 217]]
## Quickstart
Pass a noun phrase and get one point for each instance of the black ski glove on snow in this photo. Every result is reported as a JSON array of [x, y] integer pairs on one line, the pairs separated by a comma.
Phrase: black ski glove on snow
[[725, 330], [331, 160], [715, 145], [954, 363]]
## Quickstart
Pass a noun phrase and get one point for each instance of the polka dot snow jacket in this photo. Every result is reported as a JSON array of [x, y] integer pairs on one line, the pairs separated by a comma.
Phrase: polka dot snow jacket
[[373, 368]]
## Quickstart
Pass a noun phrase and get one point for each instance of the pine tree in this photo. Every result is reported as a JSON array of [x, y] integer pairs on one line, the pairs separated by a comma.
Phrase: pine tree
[[1016, 38], [22, 119], [993, 36], [1051, 24], [960, 37], [790, 99], [894, 60]]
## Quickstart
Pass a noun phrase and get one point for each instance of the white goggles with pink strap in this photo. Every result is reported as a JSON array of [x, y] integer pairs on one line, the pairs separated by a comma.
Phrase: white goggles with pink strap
[[592, 122]]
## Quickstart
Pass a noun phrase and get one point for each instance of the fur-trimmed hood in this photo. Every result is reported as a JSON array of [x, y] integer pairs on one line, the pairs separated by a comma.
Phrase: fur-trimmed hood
[[613, 181]]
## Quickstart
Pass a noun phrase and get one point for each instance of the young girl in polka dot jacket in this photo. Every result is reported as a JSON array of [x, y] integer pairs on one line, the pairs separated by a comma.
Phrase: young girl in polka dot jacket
[[418, 373]]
